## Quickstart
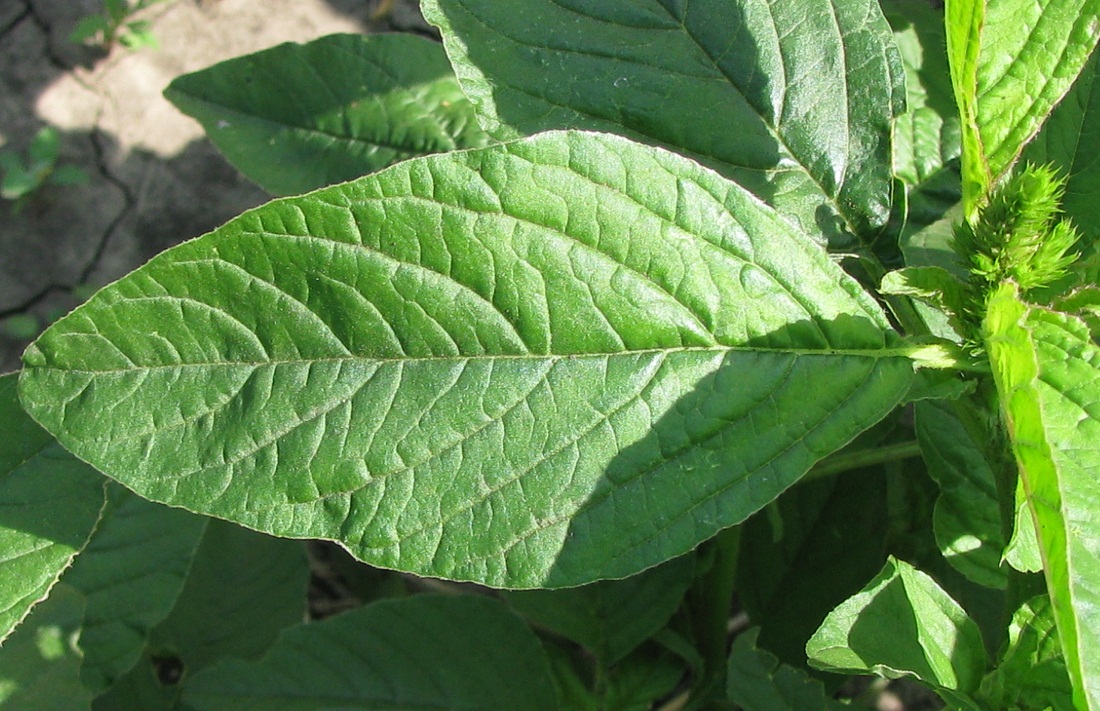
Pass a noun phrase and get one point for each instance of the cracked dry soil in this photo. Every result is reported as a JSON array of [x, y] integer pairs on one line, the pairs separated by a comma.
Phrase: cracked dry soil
[[154, 180]]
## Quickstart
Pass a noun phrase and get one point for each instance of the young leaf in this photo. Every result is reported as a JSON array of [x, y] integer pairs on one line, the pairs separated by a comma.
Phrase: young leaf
[[902, 624], [298, 117], [939, 290], [1007, 80], [130, 574], [425, 651], [1047, 371], [49, 505], [756, 681], [39, 663], [956, 447], [44, 148], [612, 617], [242, 589], [812, 103], [566, 358]]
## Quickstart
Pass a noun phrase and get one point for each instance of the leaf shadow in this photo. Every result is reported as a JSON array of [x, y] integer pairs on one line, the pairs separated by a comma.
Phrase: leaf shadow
[[750, 426], [615, 84]]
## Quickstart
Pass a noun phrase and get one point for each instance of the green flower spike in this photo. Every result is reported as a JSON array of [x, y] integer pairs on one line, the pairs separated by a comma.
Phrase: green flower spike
[[1019, 236]]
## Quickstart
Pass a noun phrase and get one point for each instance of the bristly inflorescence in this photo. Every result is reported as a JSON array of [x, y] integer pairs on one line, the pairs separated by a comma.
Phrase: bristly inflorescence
[[1019, 236]]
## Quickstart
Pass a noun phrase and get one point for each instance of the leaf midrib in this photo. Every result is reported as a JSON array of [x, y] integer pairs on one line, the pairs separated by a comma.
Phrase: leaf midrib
[[367, 143], [901, 351]]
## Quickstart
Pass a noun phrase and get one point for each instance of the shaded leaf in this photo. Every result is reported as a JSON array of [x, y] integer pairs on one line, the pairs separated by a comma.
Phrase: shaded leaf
[[636, 682], [424, 651], [812, 104], [1070, 140], [902, 624], [816, 546], [39, 663], [1032, 672], [130, 574], [956, 442], [498, 364], [756, 681], [612, 617], [242, 590], [298, 117], [1047, 371], [926, 136], [49, 505]]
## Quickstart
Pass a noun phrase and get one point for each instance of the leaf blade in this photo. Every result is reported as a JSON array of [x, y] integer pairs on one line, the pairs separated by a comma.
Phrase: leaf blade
[[480, 365], [1047, 371], [50, 504], [134, 567], [1007, 81], [902, 624], [425, 651], [813, 136], [294, 118]]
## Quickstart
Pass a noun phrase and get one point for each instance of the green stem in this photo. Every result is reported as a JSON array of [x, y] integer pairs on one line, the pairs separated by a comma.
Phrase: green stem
[[846, 461], [712, 597]]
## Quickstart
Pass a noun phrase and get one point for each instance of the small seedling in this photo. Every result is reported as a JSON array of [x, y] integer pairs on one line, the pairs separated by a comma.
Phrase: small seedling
[[22, 178], [115, 25]]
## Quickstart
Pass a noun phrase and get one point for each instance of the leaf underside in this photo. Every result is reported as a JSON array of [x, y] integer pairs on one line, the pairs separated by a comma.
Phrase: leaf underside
[[561, 359]]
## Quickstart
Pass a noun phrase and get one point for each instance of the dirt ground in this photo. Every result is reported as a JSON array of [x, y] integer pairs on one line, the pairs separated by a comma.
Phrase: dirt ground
[[154, 179]]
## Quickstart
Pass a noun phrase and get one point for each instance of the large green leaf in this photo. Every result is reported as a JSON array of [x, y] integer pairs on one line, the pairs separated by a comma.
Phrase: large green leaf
[[902, 624], [1047, 371], [298, 117], [799, 115], [421, 652], [130, 574], [566, 358], [958, 450], [49, 505], [1070, 140], [39, 663], [242, 589], [611, 617], [1011, 62]]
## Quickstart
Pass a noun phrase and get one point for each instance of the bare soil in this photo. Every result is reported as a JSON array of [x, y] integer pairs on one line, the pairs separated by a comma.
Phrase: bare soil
[[154, 179]]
